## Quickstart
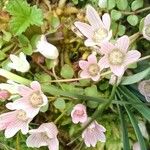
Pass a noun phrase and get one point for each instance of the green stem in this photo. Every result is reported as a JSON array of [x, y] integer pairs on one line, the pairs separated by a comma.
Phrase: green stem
[[135, 12], [134, 37], [14, 77], [8, 48]]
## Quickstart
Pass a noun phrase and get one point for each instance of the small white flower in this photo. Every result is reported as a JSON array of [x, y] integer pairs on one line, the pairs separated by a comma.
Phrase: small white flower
[[46, 49], [19, 63]]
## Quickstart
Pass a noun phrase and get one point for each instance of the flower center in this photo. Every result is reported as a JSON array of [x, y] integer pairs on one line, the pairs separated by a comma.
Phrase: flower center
[[100, 34], [147, 87], [36, 99], [21, 115], [79, 112], [93, 69], [147, 30], [116, 57]]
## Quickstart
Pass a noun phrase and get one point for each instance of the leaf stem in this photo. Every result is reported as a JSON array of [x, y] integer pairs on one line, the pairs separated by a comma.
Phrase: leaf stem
[[135, 12]]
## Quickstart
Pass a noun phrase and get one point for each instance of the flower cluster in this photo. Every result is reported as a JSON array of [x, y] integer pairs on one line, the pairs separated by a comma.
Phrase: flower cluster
[[23, 110], [94, 132], [116, 56]]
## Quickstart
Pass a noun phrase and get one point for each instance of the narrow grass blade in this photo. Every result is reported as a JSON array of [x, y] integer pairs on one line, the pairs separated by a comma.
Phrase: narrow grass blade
[[136, 129]]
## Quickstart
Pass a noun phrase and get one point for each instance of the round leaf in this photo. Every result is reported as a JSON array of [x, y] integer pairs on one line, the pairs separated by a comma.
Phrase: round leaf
[[122, 30], [67, 72], [133, 20], [111, 4], [102, 3], [115, 15], [137, 4], [60, 103], [122, 4]]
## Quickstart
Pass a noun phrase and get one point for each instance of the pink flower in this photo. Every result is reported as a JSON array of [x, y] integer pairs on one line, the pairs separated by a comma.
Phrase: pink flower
[[146, 28], [14, 121], [98, 31], [136, 146], [32, 99], [144, 88], [94, 133], [117, 56], [91, 69], [45, 135], [79, 114], [4, 95]]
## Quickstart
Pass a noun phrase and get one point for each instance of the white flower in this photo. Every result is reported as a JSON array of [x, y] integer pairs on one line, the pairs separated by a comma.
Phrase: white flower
[[19, 63], [45, 135], [46, 49], [93, 133]]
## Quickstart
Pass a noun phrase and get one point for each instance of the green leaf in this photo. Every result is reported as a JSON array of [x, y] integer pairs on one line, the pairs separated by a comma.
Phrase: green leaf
[[137, 4], [133, 20], [111, 4], [44, 108], [75, 2], [54, 21], [141, 25], [25, 44], [23, 15], [67, 72], [122, 4], [135, 78], [136, 129], [60, 103], [7, 36], [121, 30], [126, 145], [115, 15], [137, 103], [2, 55], [102, 3]]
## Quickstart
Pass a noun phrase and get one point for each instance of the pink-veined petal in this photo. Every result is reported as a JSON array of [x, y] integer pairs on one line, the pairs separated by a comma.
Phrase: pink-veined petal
[[145, 35], [25, 127], [106, 48], [93, 18], [118, 70], [13, 128], [106, 21], [123, 43], [53, 144], [85, 29], [36, 140], [89, 42], [132, 56], [36, 86], [92, 59], [24, 90], [147, 20], [103, 62], [96, 78], [83, 64], [84, 74]]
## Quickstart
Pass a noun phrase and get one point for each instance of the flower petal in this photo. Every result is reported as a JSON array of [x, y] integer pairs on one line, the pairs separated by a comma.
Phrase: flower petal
[[89, 42], [85, 29], [93, 18], [84, 74], [83, 64], [106, 21], [24, 90], [92, 59], [103, 62], [106, 48], [123, 43], [96, 78], [53, 144], [132, 56], [36, 140], [118, 70], [35, 85], [12, 128], [147, 20]]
